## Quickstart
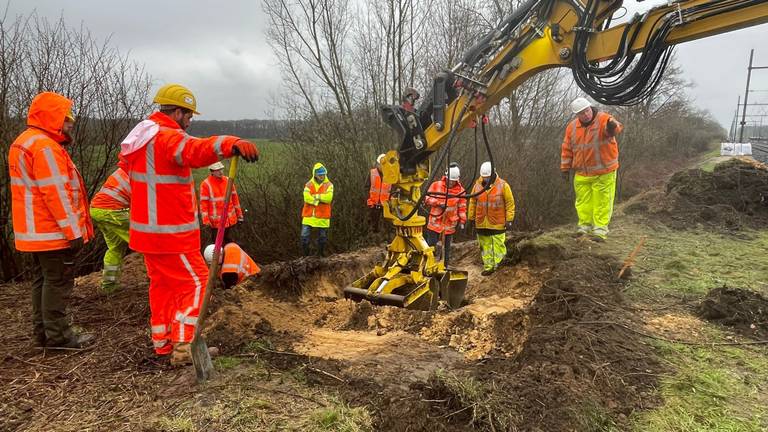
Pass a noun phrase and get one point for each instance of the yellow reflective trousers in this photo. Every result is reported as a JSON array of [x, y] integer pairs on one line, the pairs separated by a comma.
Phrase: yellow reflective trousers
[[113, 224], [594, 202], [492, 249]]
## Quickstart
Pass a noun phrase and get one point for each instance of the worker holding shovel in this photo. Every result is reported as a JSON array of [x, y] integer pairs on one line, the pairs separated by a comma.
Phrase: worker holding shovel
[[158, 156]]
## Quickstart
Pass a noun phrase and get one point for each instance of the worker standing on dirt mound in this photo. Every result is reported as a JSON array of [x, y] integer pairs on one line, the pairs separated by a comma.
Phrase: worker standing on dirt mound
[[316, 213], [212, 191], [447, 210], [492, 212], [158, 156], [378, 194], [49, 204], [236, 265], [109, 211], [590, 148]]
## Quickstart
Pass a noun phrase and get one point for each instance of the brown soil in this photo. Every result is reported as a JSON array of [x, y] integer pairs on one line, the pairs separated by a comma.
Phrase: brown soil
[[746, 311], [729, 198], [535, 329]]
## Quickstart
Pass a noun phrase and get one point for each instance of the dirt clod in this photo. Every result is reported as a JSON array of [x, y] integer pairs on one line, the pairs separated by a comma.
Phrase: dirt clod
[[744, 310]]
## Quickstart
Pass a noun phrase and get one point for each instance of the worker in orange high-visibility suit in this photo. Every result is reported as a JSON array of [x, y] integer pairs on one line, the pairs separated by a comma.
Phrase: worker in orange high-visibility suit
[[236, 265], [49, 204], [212, 191], [109, 211], [158, 156], [378, 194], [590, 148], [447, 211]]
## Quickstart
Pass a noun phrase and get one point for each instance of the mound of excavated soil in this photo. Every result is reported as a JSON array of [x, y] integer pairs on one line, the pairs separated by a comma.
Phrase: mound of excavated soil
[[730, 197], [744, 310]]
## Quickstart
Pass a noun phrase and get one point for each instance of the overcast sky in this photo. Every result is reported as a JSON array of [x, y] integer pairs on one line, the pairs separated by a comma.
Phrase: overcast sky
[[217, 49]]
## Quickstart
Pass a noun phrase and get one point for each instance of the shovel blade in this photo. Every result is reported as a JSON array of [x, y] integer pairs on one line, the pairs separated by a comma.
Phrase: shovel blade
[[201, 359]]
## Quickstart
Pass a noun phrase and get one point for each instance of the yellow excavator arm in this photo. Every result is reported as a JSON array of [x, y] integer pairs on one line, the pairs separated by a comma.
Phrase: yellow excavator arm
[[615, 65]]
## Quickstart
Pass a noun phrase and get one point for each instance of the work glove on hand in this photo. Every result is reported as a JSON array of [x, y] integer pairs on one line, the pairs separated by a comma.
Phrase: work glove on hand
[[509, 225], [247, 150], [76, 244], [462, 226], [565, 175], [611, 127]]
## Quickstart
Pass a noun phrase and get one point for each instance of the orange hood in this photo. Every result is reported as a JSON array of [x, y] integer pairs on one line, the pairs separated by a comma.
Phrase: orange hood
[[47, 112]]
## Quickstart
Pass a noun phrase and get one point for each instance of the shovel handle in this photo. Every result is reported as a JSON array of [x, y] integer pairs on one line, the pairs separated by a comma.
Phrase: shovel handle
[[213, 269]]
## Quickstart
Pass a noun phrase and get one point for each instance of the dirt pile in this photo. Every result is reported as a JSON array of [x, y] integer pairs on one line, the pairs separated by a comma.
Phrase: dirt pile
[[746, 311], [730, 197]]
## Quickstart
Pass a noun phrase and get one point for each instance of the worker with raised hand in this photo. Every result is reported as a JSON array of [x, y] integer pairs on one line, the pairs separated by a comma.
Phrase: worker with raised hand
[[316, 212], [158, 156], [109, 211], [378, 194], [49, 206], [236, 265], [212, 191], [590, 149], [447, 209], [492, 211]]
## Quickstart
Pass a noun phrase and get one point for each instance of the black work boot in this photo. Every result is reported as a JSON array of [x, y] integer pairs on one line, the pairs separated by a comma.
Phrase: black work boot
[[305, 249], [320, 249]]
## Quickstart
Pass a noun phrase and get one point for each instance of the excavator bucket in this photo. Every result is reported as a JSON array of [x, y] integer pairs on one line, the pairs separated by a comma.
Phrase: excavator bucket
[[402, 290]]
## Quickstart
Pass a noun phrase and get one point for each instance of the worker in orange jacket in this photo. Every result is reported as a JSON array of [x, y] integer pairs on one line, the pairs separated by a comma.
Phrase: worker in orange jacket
[[49, 204], [158, 156], [109, 212], [212, 191], [447, 209], [590, 148], [378, 194], [236, 265]]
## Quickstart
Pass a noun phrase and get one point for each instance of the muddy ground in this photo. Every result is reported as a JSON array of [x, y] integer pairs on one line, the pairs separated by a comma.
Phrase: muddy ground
[[731, 197]]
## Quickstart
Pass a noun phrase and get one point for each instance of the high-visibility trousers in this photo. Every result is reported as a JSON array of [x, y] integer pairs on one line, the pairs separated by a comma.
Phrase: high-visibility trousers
[[113, 224], [492, 249], [594, 202], [176, 289]]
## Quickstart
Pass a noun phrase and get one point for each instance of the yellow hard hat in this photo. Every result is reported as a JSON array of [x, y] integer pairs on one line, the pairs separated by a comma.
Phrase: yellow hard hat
[[69, 116], [178, 95]]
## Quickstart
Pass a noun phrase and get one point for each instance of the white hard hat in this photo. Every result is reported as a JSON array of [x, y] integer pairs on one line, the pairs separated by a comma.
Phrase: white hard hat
[[380, 158], [485, 169], [216, 166], [454, 173], [208, 254], [580, 104]]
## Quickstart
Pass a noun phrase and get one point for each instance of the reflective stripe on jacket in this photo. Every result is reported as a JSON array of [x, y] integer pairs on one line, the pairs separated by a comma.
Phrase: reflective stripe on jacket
[[379, 191], [237, 261], [493, 208], [316, 211], [163, 205], [588, 149], [49, 202], [212, 191], [115, 194], [455, 211]]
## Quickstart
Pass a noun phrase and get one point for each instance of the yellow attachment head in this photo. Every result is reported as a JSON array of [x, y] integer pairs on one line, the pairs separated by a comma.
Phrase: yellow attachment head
[[178, 95]]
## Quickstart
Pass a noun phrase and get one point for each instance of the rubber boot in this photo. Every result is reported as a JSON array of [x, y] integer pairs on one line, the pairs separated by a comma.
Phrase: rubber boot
[[305, 248], [320, 249]]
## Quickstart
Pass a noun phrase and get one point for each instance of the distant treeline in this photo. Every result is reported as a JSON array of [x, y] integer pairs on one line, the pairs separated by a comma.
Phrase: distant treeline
[[247, 128]]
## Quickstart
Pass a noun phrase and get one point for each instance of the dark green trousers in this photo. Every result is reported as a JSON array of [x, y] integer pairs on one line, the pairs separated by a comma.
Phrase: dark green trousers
[[54, 279]]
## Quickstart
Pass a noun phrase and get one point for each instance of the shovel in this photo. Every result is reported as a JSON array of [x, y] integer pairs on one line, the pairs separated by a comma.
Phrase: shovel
[[201, 359]]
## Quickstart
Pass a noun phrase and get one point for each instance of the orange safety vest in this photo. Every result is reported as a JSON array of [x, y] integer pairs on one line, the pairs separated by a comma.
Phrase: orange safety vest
[[322, 210], [237, 261], [455, 211], [490, 204], [115, 194], [49, 202], [163, 205], [588, 149], [379, 192], [212, 191]]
